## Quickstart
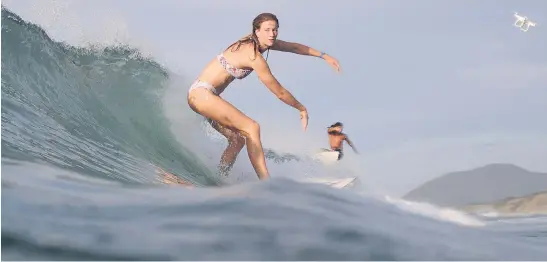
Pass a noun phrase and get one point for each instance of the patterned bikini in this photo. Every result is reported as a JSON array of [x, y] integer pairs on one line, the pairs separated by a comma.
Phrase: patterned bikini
[[238, 73]]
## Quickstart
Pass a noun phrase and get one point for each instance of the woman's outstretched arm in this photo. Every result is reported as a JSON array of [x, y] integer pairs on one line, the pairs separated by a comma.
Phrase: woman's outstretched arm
[[301, 49]]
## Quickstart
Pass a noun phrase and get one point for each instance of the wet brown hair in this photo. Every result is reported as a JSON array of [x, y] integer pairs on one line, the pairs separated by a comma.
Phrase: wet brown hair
[[334, 132], [337, 124], [252, 38]]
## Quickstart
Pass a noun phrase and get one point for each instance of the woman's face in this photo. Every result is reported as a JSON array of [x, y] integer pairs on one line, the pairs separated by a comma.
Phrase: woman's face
[[267, 33]]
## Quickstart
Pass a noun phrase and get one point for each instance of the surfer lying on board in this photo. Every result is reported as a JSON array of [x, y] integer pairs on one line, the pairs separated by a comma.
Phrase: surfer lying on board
[[238, 61], [337, 138]]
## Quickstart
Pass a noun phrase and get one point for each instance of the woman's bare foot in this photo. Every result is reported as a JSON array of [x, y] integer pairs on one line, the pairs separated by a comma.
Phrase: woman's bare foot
[[169, 178]]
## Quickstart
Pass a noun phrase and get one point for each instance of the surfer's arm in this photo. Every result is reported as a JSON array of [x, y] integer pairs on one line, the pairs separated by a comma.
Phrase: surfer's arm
[[295, 48], [265, 75], [300, 49], [352, 145]]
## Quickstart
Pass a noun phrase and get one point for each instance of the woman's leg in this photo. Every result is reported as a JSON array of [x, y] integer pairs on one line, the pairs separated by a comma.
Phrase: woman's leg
[[235, 144], [205, 103]]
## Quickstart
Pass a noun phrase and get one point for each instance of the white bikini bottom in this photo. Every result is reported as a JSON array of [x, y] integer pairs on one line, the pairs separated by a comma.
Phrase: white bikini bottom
[[202, 84]]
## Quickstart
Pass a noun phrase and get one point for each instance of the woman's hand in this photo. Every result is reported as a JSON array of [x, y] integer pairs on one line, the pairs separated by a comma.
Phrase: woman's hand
[[332, 62], [304, 119]]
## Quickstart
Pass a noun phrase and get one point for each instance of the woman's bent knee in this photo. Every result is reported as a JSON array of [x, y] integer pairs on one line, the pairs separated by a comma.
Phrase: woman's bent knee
[[251, 129]]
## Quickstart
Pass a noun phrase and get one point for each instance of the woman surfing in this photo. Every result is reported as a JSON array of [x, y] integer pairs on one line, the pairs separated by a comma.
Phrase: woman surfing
[[237, 61]]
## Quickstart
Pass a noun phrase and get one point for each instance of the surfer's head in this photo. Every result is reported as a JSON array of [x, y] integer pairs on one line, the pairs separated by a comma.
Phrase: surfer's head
[[338, 126], [263, 33], [265, 27]]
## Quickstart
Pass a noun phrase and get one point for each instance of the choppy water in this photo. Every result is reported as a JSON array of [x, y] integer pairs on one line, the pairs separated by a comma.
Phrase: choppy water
[[83, 130]]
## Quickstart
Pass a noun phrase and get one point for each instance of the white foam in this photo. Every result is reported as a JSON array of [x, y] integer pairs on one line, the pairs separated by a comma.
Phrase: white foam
[[429, 210]]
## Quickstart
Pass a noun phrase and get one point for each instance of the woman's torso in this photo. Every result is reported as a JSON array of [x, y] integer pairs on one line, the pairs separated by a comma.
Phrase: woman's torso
[[215, 73]]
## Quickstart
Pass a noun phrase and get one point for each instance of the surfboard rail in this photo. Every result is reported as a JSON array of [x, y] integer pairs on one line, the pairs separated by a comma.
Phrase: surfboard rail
[[334, 182]]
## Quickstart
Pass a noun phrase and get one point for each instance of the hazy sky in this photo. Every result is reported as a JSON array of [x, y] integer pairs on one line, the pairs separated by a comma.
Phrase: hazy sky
[[427, 87]]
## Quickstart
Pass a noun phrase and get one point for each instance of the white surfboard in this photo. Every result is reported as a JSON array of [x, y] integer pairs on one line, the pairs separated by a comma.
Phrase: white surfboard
[[334, 182]]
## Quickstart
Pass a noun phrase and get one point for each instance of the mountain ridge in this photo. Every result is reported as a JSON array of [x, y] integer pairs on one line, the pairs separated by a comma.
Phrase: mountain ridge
[[486, 184]]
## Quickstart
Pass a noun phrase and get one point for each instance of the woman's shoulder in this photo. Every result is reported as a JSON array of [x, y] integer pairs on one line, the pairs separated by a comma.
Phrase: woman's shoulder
[[245, 51], [239, 47]]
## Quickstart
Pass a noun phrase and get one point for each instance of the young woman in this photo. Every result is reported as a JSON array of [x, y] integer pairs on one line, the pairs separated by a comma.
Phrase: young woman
[[238, 61]]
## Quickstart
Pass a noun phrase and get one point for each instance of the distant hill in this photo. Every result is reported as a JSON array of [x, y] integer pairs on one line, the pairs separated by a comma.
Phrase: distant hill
[[534, 204], [487, 184]]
